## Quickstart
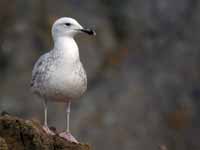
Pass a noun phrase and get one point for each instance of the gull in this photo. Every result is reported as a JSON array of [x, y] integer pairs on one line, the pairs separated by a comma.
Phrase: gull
[[58, 75]]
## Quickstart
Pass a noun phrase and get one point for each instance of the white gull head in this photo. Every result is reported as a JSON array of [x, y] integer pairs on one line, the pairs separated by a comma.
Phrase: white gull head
[[68, 27], [63, 32]]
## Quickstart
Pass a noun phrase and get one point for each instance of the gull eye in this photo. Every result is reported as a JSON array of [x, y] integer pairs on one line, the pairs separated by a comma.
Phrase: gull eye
[[68, 24]]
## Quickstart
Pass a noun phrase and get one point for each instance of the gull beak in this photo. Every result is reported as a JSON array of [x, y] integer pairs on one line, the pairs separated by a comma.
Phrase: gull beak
[[88, 31]]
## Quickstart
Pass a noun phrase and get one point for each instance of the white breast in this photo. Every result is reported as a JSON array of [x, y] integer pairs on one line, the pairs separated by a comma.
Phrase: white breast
[[67, 83], [67, 76], [64, 75]]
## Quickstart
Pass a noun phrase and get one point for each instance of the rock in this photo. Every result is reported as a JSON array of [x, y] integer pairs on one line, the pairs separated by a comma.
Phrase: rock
[[3, 145], [20, 134]]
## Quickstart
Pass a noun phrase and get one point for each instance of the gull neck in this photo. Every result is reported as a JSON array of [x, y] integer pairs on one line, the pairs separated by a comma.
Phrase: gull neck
[[68, 46]]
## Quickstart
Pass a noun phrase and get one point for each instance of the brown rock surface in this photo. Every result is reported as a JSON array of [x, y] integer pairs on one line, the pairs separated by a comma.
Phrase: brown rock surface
[[19, 134]]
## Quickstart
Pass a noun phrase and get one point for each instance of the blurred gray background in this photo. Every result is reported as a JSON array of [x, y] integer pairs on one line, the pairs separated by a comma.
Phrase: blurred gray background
[[143, 68]]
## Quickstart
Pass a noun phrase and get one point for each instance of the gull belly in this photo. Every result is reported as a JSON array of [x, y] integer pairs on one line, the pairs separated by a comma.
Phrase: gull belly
[[67, 82]]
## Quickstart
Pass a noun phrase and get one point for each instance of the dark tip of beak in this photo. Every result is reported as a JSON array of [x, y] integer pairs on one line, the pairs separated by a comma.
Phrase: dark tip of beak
[[88, 31]]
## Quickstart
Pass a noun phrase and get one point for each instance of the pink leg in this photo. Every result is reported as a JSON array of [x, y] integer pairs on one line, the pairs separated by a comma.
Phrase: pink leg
[[67, 135]]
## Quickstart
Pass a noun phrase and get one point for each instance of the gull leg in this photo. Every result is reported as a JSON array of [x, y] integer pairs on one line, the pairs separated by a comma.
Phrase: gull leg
[[67, 113], [67, 135], [45, 126]]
